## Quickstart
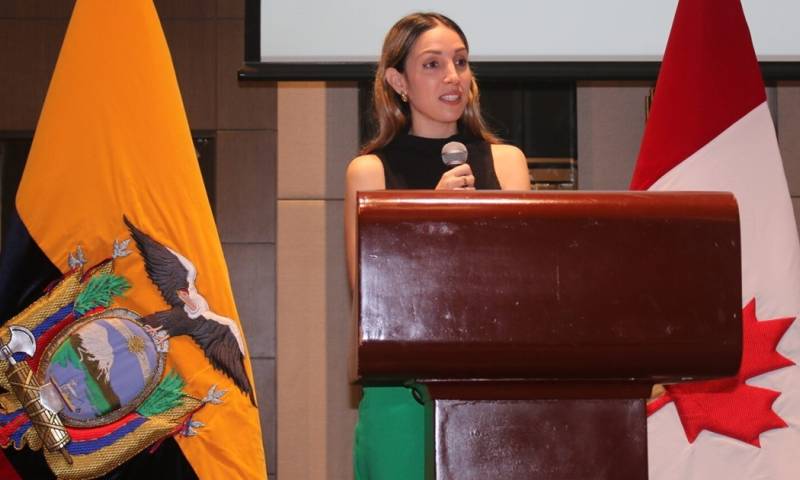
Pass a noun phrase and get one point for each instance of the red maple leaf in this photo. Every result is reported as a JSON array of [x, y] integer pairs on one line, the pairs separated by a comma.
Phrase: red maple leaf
[[729, 406]]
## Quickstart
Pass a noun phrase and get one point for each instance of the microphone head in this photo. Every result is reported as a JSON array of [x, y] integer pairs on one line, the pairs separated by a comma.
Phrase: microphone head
[[454, 154]]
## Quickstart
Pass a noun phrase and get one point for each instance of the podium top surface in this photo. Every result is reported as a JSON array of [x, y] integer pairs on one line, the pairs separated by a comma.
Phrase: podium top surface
[[548, 285]]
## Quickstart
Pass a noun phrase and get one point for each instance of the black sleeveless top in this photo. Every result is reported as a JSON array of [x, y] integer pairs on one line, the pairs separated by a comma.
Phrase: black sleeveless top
[[411, 162]]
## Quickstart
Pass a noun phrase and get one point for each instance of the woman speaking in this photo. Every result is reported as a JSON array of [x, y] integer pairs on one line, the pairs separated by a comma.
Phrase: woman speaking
[[425, 96]]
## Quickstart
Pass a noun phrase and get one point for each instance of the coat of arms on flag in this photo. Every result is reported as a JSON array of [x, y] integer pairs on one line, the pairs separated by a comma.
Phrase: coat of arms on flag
[[86, 381]]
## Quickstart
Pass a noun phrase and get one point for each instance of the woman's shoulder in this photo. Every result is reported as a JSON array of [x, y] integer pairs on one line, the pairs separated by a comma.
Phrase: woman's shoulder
[[507, 152], [365, 163], [365, 170], [511, 167]]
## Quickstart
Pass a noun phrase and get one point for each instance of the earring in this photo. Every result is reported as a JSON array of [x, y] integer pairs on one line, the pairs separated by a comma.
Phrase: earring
[[404, 97]]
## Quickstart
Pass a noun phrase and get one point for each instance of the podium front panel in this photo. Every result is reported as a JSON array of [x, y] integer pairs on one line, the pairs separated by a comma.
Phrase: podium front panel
[[629, 286]]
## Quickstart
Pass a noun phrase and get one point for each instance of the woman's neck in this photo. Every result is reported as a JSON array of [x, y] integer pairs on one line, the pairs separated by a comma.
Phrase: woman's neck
[[433, 131]]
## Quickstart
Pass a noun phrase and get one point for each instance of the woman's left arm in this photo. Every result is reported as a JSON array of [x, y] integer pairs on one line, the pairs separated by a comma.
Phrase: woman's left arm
[[511, 167]]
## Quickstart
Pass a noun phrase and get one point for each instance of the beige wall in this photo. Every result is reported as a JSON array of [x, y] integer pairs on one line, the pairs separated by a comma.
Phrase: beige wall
[[788, 114], [610, 125], [317, 136]]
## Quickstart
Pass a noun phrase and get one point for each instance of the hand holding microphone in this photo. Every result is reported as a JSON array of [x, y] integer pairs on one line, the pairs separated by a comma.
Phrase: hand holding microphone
[[459, 177]]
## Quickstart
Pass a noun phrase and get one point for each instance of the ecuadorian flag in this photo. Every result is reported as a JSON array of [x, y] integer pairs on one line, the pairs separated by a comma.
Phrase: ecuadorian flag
[[112, 161]]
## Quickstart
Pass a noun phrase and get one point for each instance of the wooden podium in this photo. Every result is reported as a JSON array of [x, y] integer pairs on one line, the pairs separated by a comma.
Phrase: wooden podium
[[538, 322]]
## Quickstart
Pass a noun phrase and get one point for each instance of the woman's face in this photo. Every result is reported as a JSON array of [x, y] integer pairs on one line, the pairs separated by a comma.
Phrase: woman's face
[[437, 81]]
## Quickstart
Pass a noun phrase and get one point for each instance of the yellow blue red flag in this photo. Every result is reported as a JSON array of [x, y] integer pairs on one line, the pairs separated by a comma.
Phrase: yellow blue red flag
[[112, 201]]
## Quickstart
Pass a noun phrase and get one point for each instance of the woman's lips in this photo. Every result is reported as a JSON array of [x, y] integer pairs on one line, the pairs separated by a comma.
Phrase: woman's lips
[[451, 98]]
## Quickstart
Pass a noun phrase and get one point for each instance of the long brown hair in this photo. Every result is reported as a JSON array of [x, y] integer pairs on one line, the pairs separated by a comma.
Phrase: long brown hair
[[391, 113]]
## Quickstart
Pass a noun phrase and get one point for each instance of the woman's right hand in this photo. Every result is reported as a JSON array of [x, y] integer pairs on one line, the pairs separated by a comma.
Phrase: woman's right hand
[[457, 178]]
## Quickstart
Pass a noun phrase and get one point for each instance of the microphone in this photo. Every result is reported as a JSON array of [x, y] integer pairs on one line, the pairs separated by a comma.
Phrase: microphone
[[454, 154]]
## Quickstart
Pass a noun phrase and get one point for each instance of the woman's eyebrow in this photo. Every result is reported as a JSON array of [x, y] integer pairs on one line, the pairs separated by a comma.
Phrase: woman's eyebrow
[[436, 51]]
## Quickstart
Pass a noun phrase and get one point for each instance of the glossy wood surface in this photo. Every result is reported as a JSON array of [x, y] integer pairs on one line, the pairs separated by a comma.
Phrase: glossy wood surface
[[622, 286], [540, 439]]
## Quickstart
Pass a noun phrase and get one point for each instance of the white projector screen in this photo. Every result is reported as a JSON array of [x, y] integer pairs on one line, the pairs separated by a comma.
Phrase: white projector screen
[[321, 31]]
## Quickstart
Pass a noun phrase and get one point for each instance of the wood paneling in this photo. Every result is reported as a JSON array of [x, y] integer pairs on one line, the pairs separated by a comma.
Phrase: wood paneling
[[252, 272], [36, 8], [230, 8], [193, 45], [186, 8], [246, 185], [788, 106], [245, 105], [28, 53], [264, 373], [610, 126]]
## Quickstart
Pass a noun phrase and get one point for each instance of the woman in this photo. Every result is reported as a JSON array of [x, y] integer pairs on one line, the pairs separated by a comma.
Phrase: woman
[[424, 96]]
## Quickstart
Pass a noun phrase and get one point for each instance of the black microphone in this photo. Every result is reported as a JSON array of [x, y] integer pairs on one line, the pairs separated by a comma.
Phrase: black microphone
[[454, 154]]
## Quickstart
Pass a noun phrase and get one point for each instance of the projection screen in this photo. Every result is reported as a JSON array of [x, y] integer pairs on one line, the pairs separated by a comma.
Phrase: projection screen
[[342, 32]]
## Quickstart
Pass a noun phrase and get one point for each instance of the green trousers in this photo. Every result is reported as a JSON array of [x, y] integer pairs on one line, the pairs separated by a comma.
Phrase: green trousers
[[390, 435]]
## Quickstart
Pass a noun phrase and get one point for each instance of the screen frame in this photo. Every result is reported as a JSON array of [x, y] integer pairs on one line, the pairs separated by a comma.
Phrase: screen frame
[[254, 69]]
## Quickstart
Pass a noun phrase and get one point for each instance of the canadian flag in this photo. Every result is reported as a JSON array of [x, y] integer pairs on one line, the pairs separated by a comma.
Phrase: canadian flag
[[710, 129]]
